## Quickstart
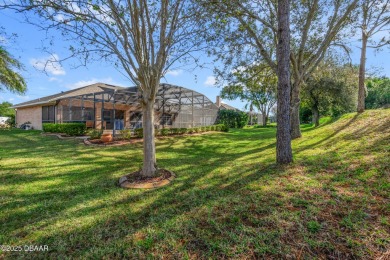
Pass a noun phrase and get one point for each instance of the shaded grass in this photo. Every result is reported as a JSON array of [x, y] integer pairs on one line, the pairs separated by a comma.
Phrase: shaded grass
[[229, 199]]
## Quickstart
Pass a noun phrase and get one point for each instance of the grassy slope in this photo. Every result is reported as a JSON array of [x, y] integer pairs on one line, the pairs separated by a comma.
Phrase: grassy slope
[[229, 200]]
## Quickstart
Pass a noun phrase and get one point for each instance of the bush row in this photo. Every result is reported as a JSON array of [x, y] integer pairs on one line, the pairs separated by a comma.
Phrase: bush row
[[232, 119], [179, 131], [72, 129]]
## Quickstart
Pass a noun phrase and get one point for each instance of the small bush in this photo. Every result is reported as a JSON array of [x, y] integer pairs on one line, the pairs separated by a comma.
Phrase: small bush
[[73, 129], [94, 133], [196, 129], [175, 131], [225, 128], [139, 132], [212, 128], [190, 130], [11, 121], [164, 131], [126, 134], [182, 131]]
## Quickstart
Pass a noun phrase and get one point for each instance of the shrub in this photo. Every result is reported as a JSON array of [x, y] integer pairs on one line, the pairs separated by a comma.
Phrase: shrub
[[218, 127], [203, 129], [94, 133], [175, 131], [164, 131], [52, 128], [11, 121], [72, 129], [126, 134], [182, 131], [232, 119], [212, 128], [139, 132], [190, 130], [225, 128], [196, 129]]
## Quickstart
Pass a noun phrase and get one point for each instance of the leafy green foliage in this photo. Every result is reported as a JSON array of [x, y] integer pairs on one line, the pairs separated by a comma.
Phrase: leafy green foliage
[[125, 134], [9, 78], [331, 90], [256, 85], [94, 133], [139, 132], [378, 93], [164, 131], [11, 120], [232, 119], [72, 129], [6, 110]]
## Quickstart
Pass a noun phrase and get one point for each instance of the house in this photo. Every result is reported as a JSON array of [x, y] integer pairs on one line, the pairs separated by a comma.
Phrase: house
[[223, 106], [108, 107]]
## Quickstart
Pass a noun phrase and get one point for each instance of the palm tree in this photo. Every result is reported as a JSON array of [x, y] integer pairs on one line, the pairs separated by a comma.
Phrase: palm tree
[[9, 79]]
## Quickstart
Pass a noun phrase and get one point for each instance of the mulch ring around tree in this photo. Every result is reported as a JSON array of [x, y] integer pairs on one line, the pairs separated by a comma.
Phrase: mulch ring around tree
[[136, 181]]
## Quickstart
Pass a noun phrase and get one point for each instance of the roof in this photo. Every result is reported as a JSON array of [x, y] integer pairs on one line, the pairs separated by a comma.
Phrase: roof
[[166, 94], [94, 88], [228, 107]]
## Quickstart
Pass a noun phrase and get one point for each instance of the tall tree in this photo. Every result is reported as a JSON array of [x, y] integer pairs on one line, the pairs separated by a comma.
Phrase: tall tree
[[142, 38], [330, 90], [10, 79], [255, 84], [283, 137], [249, 33], [375, 19]]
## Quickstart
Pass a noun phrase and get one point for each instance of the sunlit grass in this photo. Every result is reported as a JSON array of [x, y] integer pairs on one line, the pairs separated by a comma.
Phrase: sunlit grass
[[229, 199]]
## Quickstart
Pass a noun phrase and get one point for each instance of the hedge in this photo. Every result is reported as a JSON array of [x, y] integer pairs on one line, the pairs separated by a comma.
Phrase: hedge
[[72, 129], [232, 119], [139, 132]]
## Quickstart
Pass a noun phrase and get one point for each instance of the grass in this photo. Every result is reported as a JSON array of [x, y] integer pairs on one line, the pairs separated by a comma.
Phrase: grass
[[229, 200]]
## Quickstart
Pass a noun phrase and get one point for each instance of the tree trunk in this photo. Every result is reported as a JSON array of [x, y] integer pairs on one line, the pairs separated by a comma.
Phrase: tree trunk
[[149, 162], [362, 72], [316, 116], [264, 119], [283, 136], [294, 112]]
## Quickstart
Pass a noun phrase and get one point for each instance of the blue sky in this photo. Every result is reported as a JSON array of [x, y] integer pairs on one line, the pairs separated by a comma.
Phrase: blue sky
[[27, 47]]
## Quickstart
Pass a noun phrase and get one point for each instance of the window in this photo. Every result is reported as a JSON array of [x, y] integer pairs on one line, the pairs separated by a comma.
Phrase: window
[[48, 114]]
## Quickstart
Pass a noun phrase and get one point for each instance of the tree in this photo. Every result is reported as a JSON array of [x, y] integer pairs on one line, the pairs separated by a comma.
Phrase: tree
[[249, 34], [283, 137], [143, 39], [375, 18], [331, 90], [255, 84], [378, 93], [10, 79], [5, 109]]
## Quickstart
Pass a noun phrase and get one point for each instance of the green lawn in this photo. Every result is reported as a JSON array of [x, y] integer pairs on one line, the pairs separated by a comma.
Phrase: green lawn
[[229, 199]]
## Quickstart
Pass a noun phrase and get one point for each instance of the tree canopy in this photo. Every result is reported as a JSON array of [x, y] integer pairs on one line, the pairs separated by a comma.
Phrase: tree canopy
[[10, 79]]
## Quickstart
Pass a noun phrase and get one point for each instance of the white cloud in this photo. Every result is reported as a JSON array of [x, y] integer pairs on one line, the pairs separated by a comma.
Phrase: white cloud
[[174, 72], [49, 64], [210, 81], [83, 83], [11, 99], [51, 79]]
